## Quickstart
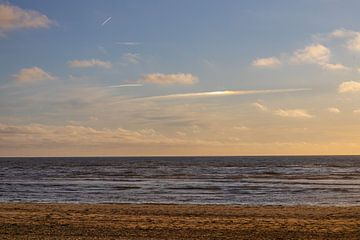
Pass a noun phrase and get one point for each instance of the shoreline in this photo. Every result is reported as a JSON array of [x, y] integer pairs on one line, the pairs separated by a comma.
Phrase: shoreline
[[176, 221]]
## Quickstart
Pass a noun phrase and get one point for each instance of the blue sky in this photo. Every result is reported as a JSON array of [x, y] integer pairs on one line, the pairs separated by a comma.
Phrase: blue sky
[[175, 35], [119, 77]]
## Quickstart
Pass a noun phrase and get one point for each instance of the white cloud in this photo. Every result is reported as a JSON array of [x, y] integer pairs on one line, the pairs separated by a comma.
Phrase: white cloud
[[260, 107], [316, 54], [354, 43], [350, 86], [352, 38], [312, 54], [337, 33], [293, 113], [341, 33], [32, 74], [333, 110], [337, 66], [13, 18], [166, 79], [266, 62], [89, 63]]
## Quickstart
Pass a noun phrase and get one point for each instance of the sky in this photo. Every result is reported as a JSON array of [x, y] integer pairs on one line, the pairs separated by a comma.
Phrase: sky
[[166, 77]]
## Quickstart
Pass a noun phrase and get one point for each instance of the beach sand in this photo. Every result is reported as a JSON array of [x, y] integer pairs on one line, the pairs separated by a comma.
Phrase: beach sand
[[152, 221]]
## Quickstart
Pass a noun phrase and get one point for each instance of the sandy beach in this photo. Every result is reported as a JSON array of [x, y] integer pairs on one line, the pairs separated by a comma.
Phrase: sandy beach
[[130, 221]]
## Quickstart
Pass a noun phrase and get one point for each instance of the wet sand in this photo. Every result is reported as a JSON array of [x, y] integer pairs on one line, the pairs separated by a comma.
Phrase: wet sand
[[148, 221]]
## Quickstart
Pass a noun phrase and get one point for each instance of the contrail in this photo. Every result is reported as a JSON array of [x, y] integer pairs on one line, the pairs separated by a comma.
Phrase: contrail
[[126, 85], [221, 93], [106, 21]]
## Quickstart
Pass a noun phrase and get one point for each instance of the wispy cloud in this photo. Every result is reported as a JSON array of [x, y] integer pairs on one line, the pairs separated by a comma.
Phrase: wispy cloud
[[241, 128], [102, 50], [351, 38], [293, 113], [132, 58], [336, 34], [14, 18], [270, 62], [336, 66], [287, 113], [333, 110], [129, 43], [167, 79], [208, 62], [221, 93], [106, 21], [89, 63], [260, 106], [343, 33], [33, 74], [38, 134]]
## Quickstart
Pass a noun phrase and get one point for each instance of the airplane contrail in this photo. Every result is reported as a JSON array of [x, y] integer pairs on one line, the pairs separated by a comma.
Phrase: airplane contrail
[[126, 85], [221, 93], [106, 21], [212, 94]]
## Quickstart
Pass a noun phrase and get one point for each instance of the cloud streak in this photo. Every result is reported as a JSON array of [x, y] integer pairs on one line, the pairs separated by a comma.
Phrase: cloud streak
[[70, 135], [89, 63], [129, 43], [126, 85], [293, 113], [270, 62], [168, 79], [260, 107], [221, 93]]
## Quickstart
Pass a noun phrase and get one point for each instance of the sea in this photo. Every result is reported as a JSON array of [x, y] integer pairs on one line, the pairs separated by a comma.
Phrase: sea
[[260, 180]]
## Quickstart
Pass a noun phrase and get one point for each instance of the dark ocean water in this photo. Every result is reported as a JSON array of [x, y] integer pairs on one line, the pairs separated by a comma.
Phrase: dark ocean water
[[326, 180]]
